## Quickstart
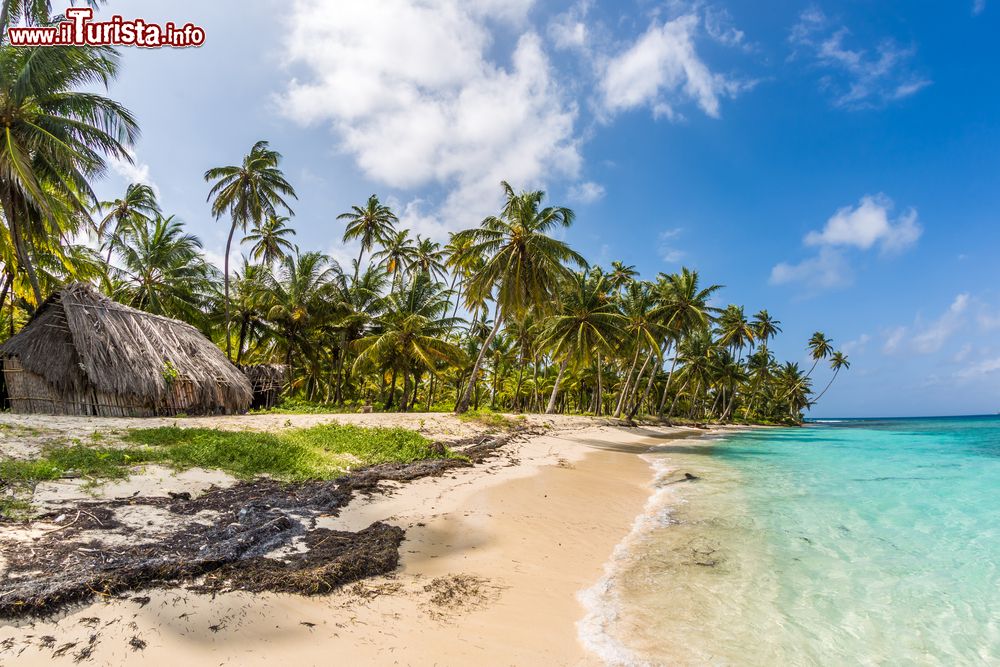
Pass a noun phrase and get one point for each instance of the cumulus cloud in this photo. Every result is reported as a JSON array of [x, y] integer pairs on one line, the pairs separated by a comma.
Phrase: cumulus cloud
[[869, 224], [569, 30], [857, 77], [663, 69], [863, 227], [413, 92], [827, 270], [586, 193]]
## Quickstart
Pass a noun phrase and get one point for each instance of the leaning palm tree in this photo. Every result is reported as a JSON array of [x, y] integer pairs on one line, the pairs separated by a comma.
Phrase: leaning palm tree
[[248, 192], [820, 347], [55, 140], [838, 361], [523, 265], [370, 224], [268, 242], [136, 206]]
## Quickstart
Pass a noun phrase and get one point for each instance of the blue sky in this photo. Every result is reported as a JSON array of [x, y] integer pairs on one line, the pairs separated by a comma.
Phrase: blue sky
[[836, 163]]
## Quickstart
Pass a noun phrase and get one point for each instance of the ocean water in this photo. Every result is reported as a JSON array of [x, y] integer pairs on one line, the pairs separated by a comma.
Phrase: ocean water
[[853, 542]]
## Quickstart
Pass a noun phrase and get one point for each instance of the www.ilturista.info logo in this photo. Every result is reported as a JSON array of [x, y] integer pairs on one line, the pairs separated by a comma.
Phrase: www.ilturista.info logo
[[78, 30]]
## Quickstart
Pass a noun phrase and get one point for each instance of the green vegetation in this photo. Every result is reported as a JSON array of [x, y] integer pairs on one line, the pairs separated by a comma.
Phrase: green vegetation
[[316, 453], [504, 316], [491, 419]]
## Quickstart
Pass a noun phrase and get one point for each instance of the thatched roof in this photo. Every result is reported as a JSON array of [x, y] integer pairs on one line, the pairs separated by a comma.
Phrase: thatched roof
[[79, 338]]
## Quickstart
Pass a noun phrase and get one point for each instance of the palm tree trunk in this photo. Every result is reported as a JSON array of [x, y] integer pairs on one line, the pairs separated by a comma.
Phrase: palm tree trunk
[[463, 405], [242, 340], [392, 391], [4, 19], [673, 404], [829, 384], [670, 376], [357, 267], [600, 387], [627, 384], [225, 261], [555, 389], [636, 400]]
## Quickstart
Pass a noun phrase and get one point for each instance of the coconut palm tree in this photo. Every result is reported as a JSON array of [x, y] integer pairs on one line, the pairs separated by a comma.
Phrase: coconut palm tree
[[820, 347], [162, 270], [248, 192], [586, 325], [838, 361], [57, 133], [620, 275], [31, 12], [397, 254], [523, 265], [268, 240], [683, 308], [371, 223], [428, 259], [411, 336], [136, 206], [642, 330], [765, 328]]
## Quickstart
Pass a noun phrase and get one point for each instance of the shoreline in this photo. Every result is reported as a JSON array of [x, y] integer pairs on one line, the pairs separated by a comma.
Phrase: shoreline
[[492, 567]]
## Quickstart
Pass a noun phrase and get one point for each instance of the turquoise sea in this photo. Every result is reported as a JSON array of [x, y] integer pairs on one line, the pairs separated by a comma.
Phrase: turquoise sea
[[848, 542]]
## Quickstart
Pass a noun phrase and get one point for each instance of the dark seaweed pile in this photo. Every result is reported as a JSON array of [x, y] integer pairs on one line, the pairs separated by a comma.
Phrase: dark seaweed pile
[[251, 519]]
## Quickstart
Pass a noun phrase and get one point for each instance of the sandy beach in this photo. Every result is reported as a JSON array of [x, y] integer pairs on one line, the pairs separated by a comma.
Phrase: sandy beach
[[491, 568]]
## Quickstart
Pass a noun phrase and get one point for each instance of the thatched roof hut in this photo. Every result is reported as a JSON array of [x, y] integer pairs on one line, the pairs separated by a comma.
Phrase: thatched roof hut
[[267, 381], [84, 354]]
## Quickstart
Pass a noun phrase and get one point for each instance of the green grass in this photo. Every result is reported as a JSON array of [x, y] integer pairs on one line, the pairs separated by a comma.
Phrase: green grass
[[316, 453], [490, 419]]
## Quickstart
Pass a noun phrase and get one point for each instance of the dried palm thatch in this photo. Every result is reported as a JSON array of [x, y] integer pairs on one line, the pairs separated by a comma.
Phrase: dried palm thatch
[[267, 381], [82, 353]]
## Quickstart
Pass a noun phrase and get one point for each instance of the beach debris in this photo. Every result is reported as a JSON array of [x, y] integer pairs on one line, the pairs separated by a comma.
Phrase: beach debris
[[137, 644], [458, 593], [250, 520]]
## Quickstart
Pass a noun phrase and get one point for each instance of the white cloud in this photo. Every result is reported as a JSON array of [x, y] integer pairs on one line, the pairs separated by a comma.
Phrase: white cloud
[[869, 224], [668, 251], [662, 69], [856, 77], [413, 94], [856, 346], [862, 227], [720, 27], [569, 29], [933, 336], [133, 172], [586, 193], [894, 339], [826, 270], [979, 369], [978, 7]]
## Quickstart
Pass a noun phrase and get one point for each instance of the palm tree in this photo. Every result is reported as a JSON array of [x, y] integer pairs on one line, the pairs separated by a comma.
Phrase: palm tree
[[428, 259], [137, 206], [838, 360], [765, 328], [55, 138], [638, 305], [523, 265], [411, 336], [683, 309], [248, 192], [587, 324], [621, 275], [32, 12], [794, 388], [397, 254], [268, 239], [163, 271], [820, 347], [301, 304], [372, 223]]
